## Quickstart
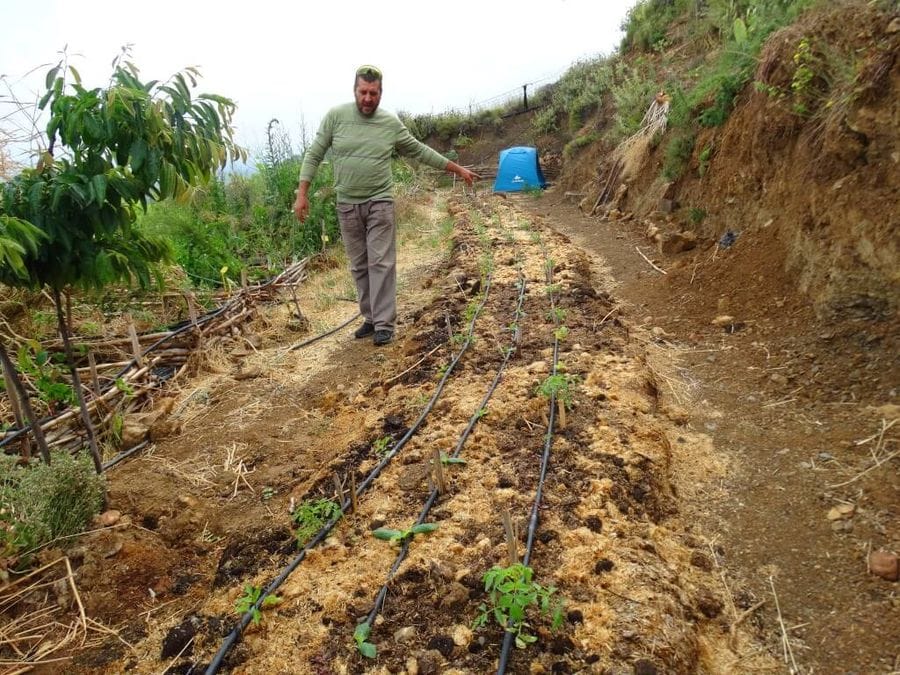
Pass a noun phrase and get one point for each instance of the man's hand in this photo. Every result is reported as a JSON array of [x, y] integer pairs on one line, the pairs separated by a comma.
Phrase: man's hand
[[301, 204], [461, 171]]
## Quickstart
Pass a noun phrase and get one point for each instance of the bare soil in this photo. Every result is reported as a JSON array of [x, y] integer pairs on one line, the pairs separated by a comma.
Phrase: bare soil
[[686, 486]]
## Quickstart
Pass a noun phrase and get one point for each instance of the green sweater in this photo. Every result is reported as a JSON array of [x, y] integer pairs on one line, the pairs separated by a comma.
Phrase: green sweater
[[361, 149]]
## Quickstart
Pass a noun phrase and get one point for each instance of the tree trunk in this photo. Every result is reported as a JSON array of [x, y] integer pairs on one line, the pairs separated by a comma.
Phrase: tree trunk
[[76, 382], [16, 391]]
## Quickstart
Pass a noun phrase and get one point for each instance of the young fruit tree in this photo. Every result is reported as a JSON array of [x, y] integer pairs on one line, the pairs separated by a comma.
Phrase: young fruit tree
[[70, 222]]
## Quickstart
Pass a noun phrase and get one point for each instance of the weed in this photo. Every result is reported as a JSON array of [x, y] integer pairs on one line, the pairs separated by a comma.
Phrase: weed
[[579, 142], [678, 154], [696, 215], [44, 501], [511, 592], [382, 445], [703, 162], [247, 603], [311, 516], [400, 536]]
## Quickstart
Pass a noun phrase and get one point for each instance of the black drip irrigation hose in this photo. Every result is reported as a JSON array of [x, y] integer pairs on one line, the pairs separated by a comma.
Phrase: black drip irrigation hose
[[432, 498], [509, 636], [236, 632], [311, 340]]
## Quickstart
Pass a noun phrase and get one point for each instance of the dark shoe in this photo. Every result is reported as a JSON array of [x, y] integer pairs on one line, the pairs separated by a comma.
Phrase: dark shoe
[[382, 337], [364, 331]]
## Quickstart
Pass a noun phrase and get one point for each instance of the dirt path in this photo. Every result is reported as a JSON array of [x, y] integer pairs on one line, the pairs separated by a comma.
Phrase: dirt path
[[795, 407], [684, 478]]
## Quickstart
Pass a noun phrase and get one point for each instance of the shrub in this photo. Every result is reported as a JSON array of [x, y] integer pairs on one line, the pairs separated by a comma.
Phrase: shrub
[[573, 146], [633, 93], [678, 154], [41, 502]]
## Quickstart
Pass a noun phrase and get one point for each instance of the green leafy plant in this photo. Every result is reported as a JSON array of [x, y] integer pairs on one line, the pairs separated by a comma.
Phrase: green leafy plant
[[400, 536], [560, 385], [248, 603], [561, 333], [382, 445], [511, 592], [557, 315], [46, 375], [310, 516], [447, 459], [71, 220], [361, 636]]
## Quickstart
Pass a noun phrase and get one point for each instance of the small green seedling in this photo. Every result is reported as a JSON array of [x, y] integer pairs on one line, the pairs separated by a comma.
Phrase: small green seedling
[[361, 635], [400, 536], [561, 333], [382, 445], [447, 459], [511, 591], [311, 516], [551, 289], [481, 413], [557, 315], [247, 603], [560, 385]]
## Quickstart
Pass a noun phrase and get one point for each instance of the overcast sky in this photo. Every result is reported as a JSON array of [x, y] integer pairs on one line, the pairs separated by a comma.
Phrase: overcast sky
[[295, 60]]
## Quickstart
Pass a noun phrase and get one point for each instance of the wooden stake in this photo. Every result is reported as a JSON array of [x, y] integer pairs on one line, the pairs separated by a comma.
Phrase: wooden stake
[[353, 500], [244, 280], [13, 393], [135, 343], [95, 380], [561, 408], [438, 469], [28, 411], [339, 488], [511, 538]]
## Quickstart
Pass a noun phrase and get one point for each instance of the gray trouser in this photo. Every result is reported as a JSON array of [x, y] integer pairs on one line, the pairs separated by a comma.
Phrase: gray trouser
[[371, 245]]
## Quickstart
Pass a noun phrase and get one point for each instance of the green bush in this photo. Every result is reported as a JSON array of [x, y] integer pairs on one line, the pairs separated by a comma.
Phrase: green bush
[[579, 142], [647, 22], [678, 154], [41, 502], [632, 93]]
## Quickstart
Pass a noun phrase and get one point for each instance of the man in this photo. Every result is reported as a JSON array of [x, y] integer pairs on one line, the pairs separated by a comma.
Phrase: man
[[362, 139]]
